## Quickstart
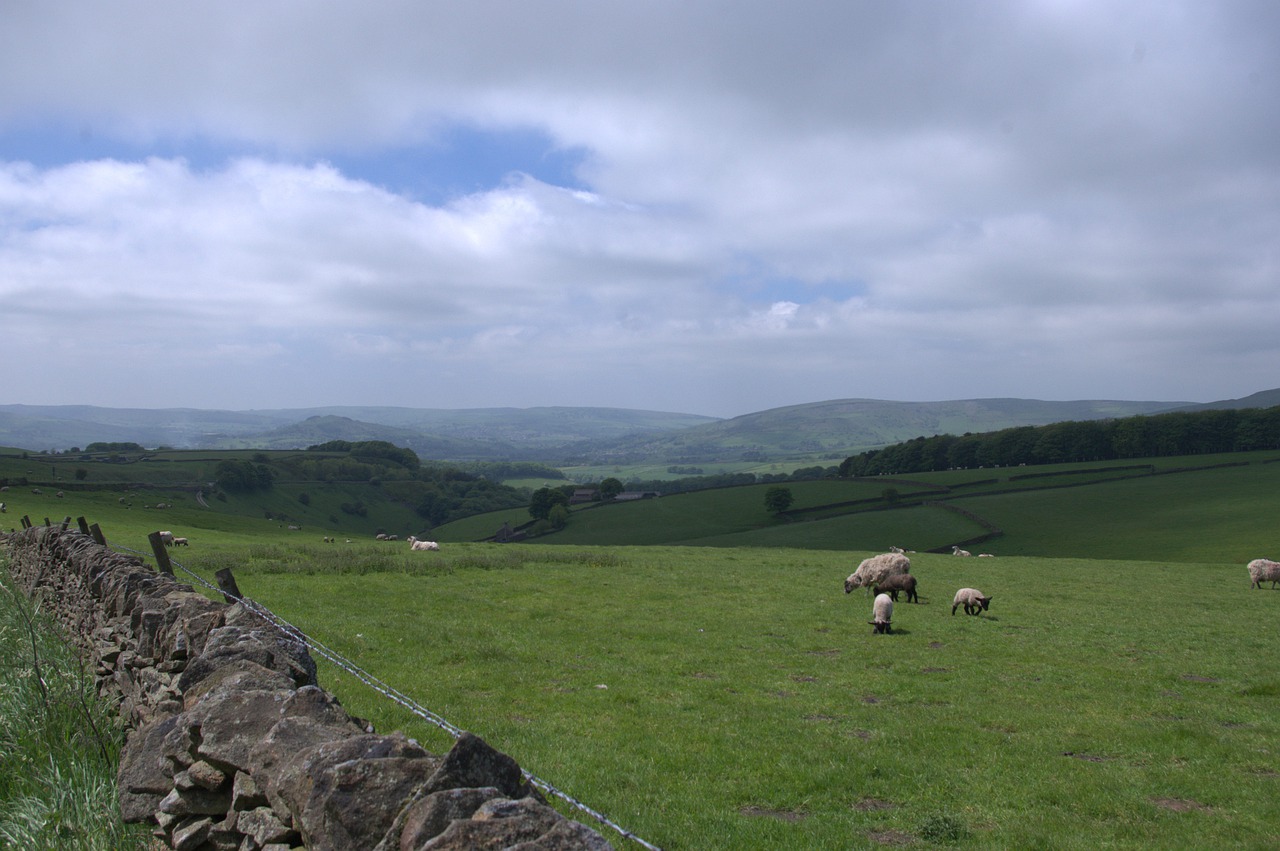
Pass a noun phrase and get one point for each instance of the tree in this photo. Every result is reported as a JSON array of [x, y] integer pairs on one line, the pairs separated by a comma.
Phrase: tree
[[610, 487], [543, 500], [777, 499], [81, 474]]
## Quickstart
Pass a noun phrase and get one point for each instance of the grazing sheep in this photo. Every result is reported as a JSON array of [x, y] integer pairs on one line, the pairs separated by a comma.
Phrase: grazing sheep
[[881, 614], [956, 551], [415, 544], [166, 537], [181, 542], [972, 599], [894, 583], [381, 536], [875, 569], [1263, 570]]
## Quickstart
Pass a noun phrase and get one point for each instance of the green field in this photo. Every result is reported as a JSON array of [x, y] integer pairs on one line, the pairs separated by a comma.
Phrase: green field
[[735, 698], [726, 693]]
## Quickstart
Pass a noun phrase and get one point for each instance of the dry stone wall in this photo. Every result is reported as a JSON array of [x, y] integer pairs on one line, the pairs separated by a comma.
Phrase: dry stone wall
[[233, 746]]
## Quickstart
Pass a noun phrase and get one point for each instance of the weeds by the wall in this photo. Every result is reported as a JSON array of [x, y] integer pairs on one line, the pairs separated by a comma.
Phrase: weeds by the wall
[[59, 744]]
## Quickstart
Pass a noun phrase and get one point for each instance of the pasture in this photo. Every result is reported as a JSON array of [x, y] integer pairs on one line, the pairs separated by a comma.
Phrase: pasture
[[735, 698], [728, 694]]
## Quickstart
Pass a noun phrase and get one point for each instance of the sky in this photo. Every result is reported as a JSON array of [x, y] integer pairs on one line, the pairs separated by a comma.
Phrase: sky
[[705, 207]]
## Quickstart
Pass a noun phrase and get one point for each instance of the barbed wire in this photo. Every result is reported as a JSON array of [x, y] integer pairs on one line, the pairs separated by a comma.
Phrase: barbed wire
[[392, 693]]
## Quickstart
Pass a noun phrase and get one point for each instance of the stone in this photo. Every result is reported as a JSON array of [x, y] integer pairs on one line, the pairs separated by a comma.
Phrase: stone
[[427, 817], [473, 763]]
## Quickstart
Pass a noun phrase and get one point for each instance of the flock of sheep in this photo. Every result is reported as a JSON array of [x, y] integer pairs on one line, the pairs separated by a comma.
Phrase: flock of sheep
[[888, 574]]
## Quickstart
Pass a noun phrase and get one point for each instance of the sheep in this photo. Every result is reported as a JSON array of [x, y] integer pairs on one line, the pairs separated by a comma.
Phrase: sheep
[[896, 582], [381, 536], [896, 550], [415, 544], [881, 614], [181, 542], [1263, 570], [986, 555], [166, 537], [956, 551], [875, 569], [973, 600], [3, 508]]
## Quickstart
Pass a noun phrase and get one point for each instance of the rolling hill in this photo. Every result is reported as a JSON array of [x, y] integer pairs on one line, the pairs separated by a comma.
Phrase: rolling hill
[[830, 430]]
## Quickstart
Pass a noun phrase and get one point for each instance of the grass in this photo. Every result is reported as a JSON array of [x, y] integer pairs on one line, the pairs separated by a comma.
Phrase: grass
[[58, 744], [734, 698]]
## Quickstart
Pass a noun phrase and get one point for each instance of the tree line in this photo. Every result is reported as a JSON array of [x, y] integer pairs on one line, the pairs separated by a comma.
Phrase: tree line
[[1145, 436]]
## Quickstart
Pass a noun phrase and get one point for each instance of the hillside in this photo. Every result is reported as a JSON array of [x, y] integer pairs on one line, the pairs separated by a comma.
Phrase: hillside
[[838, 428], [830, 430]]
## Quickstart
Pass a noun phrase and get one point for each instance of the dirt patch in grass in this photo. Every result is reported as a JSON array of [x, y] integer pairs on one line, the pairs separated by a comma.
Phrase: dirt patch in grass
[[820, 718], [1088, 757], [935, 645], [934, 670], [803, 679], [870, 698], [780, 815], [866, 805], [1181, 805], [1196, 678]]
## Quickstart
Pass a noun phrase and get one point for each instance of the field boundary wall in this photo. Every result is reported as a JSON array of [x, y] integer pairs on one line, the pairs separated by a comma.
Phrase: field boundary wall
[[231, 743]]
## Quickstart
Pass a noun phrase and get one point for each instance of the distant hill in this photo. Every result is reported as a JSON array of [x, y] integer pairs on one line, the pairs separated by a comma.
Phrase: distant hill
[[1261, 399], [560, 436], [841, 427], [454, 434]]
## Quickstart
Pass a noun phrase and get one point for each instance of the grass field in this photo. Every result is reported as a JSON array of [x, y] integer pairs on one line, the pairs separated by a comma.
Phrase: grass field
[[727, 694], [734, 698]]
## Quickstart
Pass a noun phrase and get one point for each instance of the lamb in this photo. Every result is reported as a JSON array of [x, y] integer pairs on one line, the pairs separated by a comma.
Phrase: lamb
[[972, 599], [956, 551], [875, 569], [1263, 570], [894, 583], [181, 542], [415, 544], [881, 614]]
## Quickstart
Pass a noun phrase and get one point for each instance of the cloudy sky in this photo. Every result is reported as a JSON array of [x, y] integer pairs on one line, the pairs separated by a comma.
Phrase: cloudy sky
[[708, 207]]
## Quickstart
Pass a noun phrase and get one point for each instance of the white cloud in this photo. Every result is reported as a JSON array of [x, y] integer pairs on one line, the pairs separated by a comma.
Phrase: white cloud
[[1037, 199]]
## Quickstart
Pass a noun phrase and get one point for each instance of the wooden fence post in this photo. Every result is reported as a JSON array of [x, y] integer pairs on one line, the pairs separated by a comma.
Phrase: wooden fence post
[[97, 535], [84, 525], [162, 554], [227, 585]]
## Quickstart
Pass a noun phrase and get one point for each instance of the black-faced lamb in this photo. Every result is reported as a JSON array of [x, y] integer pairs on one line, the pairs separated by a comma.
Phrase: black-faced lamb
[[973, 600], [881, 614], [896, 582], [1263, 570], [875, 569]]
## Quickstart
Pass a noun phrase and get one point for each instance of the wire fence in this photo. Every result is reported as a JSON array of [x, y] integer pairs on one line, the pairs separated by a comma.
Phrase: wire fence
[[394, 694]]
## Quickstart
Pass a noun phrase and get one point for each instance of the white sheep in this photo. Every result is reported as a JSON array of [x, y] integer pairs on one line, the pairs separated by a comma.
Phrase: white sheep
[[973, 600], [166, 538], [875, 569], [181, 542], [415, 544], [956, 551], [1263, 570], [881, 614]]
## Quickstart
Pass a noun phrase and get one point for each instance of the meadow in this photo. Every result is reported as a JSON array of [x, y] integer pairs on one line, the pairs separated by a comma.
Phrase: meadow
[[1118, 694], [735, 698]]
